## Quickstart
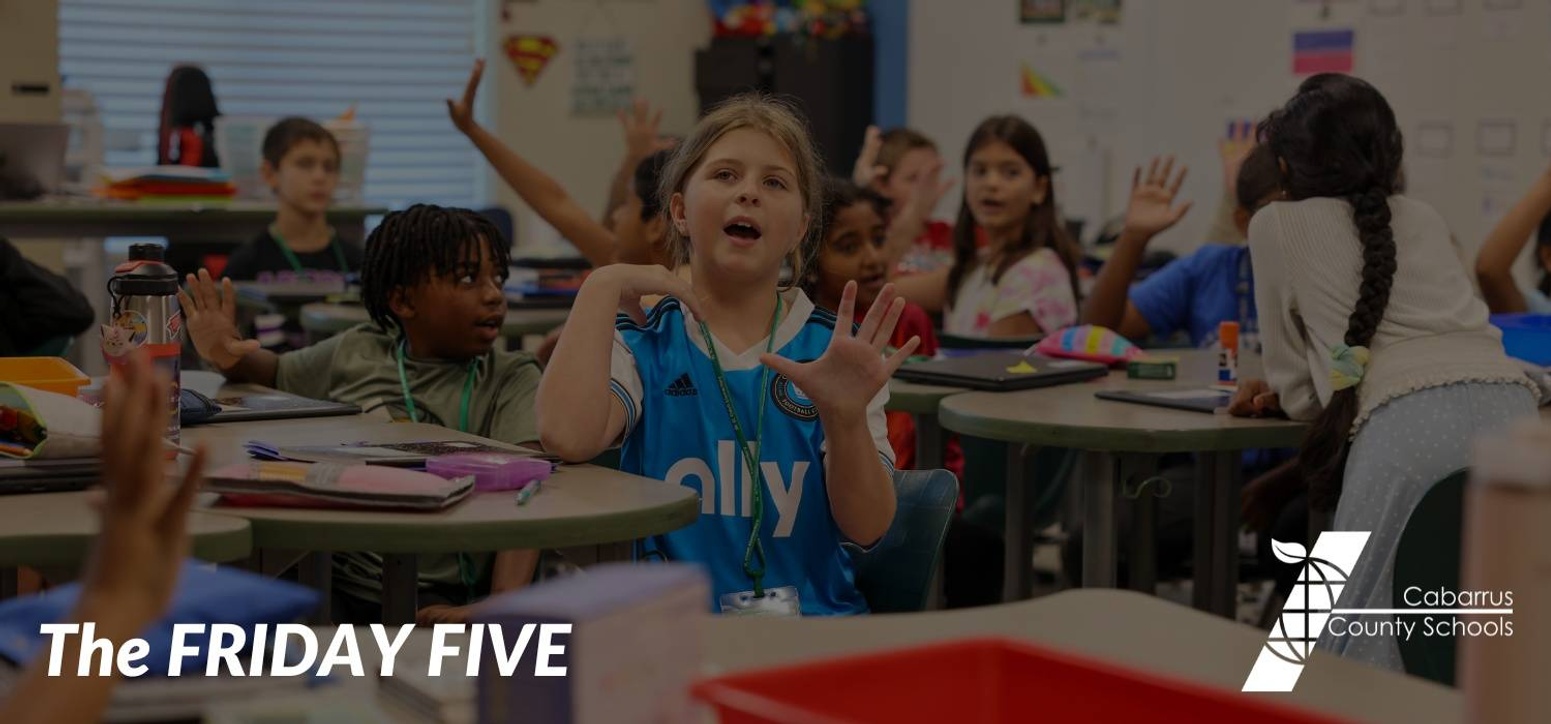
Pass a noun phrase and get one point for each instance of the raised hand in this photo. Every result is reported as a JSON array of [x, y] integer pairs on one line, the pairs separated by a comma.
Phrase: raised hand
[[867, 169], [639, 125], [1151, 209], [144, 535], [462, 111], [844, 380], [210, 316], [930, 188], [1232, 151]]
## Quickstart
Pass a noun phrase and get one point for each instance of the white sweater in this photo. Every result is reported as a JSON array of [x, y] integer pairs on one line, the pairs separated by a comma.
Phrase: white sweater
[[1308, 265]]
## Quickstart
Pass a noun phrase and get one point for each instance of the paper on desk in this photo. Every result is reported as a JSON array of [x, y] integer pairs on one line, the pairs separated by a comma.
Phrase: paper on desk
[[37, 425]]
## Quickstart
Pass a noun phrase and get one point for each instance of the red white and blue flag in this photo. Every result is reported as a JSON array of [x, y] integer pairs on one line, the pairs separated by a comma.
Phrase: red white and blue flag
[[1323, 51]]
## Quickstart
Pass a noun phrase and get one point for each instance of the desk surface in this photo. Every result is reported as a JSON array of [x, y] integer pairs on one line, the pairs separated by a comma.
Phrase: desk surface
[[917, 399], [579, 505], [59, 529], [335, 318], [1070, 416]]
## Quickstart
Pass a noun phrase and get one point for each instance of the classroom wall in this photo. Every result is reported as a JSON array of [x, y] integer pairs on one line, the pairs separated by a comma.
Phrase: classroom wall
[[1171, 74], [583, 152]]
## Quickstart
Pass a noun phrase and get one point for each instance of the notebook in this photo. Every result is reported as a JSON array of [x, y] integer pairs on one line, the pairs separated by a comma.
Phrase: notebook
[[1192, 399], [263, 404], [1001, 371], [399, 454], [19, 477]]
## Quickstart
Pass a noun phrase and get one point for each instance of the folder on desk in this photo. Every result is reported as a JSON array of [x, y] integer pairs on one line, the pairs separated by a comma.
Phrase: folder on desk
[[302, 485]]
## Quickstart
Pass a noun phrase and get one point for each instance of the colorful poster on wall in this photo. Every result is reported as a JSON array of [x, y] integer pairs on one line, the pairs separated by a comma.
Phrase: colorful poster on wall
[[530, 54], [1042, 11], [1323, 51], [605, 76], [1037, 85], [1104, 12]]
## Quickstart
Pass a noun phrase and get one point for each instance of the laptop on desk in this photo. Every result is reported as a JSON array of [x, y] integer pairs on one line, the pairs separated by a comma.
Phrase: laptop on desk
[[1001, 371]]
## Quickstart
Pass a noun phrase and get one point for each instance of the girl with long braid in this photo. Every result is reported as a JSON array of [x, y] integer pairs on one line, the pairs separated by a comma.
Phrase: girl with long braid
[[1371, 331]]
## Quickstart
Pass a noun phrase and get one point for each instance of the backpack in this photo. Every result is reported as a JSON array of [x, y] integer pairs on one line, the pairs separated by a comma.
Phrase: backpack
[[186, 134]]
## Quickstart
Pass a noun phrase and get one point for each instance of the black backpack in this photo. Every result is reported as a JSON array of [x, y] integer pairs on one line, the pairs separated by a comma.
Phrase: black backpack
[[186, 133]]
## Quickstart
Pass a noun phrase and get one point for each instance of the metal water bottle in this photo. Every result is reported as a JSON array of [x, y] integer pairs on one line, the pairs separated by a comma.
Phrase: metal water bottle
[[144, 292]]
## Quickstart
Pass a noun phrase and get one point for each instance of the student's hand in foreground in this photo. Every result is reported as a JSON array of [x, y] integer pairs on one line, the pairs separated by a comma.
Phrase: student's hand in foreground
[[844, 380], [1151, 209], [630, 282], [639, 125], [144, 540], [210, 315], [1254, 398], [462, 111]]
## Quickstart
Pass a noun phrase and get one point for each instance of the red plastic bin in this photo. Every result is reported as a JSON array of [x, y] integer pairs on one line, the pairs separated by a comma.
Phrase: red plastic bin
[[977, 681]]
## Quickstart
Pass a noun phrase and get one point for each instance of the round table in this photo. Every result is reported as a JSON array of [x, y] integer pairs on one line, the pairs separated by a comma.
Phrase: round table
[[580, 505], [921, 401], [322, 320], [1131, 436], [59, 529]]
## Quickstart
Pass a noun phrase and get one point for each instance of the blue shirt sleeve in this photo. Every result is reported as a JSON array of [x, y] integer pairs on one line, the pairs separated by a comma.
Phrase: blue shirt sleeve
[[1163, 298]]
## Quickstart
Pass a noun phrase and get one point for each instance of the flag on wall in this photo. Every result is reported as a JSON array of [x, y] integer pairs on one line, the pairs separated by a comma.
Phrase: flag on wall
[[1323, 51], [1038, 86]]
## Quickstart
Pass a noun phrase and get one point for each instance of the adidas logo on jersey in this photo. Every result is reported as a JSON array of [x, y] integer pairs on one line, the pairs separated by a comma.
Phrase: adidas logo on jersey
[[681, 387]]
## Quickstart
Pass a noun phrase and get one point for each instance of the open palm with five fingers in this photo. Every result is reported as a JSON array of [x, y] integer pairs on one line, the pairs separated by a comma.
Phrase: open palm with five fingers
[[210, 316], [639, 125], [1151, 209], [849, 374]]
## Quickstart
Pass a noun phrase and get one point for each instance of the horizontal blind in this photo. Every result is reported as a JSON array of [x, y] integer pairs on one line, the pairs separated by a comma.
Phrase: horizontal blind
[[395, 60]]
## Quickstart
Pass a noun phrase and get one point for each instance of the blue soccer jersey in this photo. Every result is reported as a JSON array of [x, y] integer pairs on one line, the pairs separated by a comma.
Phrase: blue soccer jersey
[[677, 430]]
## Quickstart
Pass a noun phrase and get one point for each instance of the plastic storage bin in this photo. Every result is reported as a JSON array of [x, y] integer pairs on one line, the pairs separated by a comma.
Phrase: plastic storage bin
[[1526, 336], [977, 681], [53, 374]]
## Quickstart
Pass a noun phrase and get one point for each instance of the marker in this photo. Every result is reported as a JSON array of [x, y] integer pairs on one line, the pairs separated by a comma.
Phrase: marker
[[527, 493]]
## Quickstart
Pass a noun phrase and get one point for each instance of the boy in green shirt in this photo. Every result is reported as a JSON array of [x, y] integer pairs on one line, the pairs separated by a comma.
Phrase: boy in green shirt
[[432, 281]]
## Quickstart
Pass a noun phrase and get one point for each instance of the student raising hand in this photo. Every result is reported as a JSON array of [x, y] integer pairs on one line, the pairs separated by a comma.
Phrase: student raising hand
[[138, 554], [1151, 209], [210, 315], [851, 371]]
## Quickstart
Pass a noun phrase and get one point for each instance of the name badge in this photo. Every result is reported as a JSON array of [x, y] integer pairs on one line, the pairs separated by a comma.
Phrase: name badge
[[780, 601]]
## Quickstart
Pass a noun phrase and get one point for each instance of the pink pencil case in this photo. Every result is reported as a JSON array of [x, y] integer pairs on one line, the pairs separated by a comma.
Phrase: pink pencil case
[[492, 472]]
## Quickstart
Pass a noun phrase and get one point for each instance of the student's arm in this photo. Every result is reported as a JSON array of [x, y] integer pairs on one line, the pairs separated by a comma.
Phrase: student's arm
[[572, 423], [536, 188], [639, 125], [910, 221], [844, 384], [1034, 295], [929, 290], [1232, 151], [1285, 351], [210, 316], [1150, 212], [137, 557], [1494, 263]]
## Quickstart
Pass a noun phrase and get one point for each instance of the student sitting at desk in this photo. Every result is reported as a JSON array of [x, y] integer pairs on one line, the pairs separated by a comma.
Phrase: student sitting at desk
[[432, 284], [301, 166]]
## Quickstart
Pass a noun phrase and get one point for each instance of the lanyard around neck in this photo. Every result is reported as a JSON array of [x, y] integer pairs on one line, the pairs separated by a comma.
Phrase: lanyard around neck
[[296, 263], [755, 548], [463, 406]]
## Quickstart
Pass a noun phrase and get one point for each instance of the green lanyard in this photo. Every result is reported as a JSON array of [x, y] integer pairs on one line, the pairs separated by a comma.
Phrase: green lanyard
[[755, 548], [465, 564], [296, 264]]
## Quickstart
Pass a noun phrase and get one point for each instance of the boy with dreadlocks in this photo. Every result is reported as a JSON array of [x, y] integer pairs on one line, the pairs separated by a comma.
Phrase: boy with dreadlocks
[[432, 282]]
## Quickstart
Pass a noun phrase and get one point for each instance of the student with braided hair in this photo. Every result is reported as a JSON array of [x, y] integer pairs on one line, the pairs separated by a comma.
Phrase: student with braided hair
[[431, 281], [1371, 331]]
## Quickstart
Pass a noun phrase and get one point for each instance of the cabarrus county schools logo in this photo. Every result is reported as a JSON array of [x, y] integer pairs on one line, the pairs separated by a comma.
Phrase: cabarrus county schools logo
[[791, 399]]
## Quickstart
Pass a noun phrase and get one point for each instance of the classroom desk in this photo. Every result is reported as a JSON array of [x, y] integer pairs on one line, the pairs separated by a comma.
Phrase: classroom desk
[[324, 320], [1132, 436], [59, 529], [921, 401], [1123, 627], [580, 505]]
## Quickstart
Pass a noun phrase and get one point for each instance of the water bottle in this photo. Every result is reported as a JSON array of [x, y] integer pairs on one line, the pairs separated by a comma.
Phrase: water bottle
[[145, 313]]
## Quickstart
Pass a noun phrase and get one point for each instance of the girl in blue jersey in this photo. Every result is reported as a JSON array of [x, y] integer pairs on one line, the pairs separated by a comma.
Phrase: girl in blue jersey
[[739, 387]]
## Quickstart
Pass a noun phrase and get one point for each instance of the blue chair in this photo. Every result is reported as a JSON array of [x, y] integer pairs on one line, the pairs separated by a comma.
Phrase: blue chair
[[1429, 557], [896, 575]]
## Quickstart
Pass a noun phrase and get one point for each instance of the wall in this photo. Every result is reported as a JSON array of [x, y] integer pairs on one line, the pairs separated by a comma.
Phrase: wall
[[1181, 70], [583, 153]]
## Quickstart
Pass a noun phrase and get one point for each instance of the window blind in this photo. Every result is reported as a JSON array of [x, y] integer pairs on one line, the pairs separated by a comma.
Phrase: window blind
[[395, 60]]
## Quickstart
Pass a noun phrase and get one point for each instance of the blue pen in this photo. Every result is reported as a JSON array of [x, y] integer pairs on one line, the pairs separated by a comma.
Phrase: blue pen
[[527, 493]]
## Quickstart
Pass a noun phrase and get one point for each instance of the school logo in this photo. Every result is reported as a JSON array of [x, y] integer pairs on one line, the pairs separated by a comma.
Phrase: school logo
[[791, 399], [1308, 608]]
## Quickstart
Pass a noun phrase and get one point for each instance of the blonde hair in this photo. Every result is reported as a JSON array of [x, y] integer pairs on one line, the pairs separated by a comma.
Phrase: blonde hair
[[785, 124], [896, 142]]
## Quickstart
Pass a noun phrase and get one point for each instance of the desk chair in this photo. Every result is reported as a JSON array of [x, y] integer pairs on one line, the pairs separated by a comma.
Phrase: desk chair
[[896, 575], [1429, 557]]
